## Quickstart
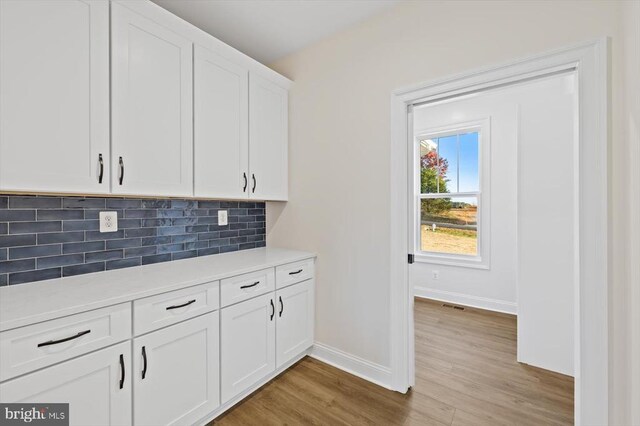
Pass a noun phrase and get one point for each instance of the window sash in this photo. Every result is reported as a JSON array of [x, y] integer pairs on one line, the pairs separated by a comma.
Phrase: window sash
[[447, 255]]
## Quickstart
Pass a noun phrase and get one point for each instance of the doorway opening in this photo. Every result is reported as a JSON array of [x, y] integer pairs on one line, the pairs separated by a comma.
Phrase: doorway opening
[[501, 188], [586, 200]]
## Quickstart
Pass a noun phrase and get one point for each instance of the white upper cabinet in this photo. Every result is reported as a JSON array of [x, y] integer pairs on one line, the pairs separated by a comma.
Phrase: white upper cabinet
[[122, 97], [268, 140], [54, 96], [152, 141], [221, 126]]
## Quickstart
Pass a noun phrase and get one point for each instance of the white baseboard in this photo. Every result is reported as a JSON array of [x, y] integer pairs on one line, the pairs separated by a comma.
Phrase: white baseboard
[[352, 364], [466, 300]]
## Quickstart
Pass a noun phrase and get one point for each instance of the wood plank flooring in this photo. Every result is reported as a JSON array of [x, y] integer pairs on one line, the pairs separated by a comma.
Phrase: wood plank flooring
[[466, 374]]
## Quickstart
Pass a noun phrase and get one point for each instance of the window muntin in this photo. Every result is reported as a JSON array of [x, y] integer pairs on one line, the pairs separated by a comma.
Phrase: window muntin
[[449, 194]]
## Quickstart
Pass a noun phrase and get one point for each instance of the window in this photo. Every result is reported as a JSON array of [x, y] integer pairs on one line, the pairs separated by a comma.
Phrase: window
[[449, 194]]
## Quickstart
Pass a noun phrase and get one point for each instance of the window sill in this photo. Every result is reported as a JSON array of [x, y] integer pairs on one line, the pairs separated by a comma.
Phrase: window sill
[[474, 263]]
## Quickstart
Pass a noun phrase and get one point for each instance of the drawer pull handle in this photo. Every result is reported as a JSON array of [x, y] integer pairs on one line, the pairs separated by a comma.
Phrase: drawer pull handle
[[254, 182], [273, 310], [144, 362], [66, 339], [121, 371], [246, 182], [281, 306], [296, 272], [249, 285], [181, 306]]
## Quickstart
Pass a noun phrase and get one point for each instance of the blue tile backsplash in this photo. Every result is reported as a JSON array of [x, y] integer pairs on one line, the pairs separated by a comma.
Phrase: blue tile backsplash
[[52, 237]]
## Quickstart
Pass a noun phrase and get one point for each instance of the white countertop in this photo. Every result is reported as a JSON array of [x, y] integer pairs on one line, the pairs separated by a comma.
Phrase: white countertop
[[25, 304]]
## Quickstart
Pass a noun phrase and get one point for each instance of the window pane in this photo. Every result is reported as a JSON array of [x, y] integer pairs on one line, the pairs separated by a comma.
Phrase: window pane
[[438, 165], [469, 178], [449, 225], [448, 163]]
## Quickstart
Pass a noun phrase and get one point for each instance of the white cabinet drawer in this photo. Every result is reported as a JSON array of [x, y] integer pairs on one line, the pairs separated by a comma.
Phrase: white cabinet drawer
[[292, 273], [243, 287], [35, 346], [152, 313]]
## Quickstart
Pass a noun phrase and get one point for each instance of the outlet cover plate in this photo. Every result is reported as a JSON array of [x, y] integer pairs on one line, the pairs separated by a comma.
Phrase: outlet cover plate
[[222, 217], [108, 221]]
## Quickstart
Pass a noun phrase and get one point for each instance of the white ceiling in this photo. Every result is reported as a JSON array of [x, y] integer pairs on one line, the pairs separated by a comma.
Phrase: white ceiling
[[268, 30]]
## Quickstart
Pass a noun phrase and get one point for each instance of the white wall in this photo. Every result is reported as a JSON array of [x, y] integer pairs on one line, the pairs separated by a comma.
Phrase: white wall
[[629, 215], [339, 138], [547, 225]]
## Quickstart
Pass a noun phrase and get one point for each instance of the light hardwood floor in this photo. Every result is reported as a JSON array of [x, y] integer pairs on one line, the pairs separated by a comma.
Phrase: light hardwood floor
[[466, 371]]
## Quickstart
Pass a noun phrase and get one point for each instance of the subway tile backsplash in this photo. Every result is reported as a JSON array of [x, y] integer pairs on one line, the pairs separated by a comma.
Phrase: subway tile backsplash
[[52, 237]]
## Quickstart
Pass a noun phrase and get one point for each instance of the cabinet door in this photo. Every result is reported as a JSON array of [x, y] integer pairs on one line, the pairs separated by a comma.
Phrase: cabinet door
[[151, 107], [96, 386], [247, 344], [268, 139], [176, 373], [221, 127], [54, 96], [295, 320]]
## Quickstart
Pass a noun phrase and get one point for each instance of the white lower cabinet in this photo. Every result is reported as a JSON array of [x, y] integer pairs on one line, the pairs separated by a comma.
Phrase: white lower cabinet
[[176, 373], [187, 361], [294, 324], [247, 343], [97, 387]]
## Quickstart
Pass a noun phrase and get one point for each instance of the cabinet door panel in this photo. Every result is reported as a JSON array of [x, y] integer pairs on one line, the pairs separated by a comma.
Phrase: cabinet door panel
[[221, 126], [247, 343], [268, 139], [295, 321], [90, 384], [54, 95], [181, 380], [151, 107]]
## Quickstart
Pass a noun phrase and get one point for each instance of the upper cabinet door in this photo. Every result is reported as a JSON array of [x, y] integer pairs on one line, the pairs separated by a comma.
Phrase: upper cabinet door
[[54, 96], [152, 144], [221, 127], [268, 139]]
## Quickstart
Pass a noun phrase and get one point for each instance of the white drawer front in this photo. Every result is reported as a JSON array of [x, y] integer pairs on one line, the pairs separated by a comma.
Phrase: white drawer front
[[292, 273], [164, 309], [243, 287], [35, 346]]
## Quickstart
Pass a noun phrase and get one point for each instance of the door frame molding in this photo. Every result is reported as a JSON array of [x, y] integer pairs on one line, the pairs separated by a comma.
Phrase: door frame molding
[[590, 61]]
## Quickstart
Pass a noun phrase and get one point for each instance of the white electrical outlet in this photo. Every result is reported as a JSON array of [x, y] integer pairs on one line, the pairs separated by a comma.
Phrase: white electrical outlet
[[108, 221], [436, 275], [222, 217]]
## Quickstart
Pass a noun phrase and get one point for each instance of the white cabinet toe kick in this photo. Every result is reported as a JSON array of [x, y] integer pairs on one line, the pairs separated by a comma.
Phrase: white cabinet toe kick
[[179, 357]]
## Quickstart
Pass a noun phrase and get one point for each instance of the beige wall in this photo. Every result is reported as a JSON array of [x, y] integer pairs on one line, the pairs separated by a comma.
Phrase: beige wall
[[630, 124], [339, 139]]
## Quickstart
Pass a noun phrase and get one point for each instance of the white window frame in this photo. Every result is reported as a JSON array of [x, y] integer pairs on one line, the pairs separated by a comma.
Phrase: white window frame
[[482, 259]]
